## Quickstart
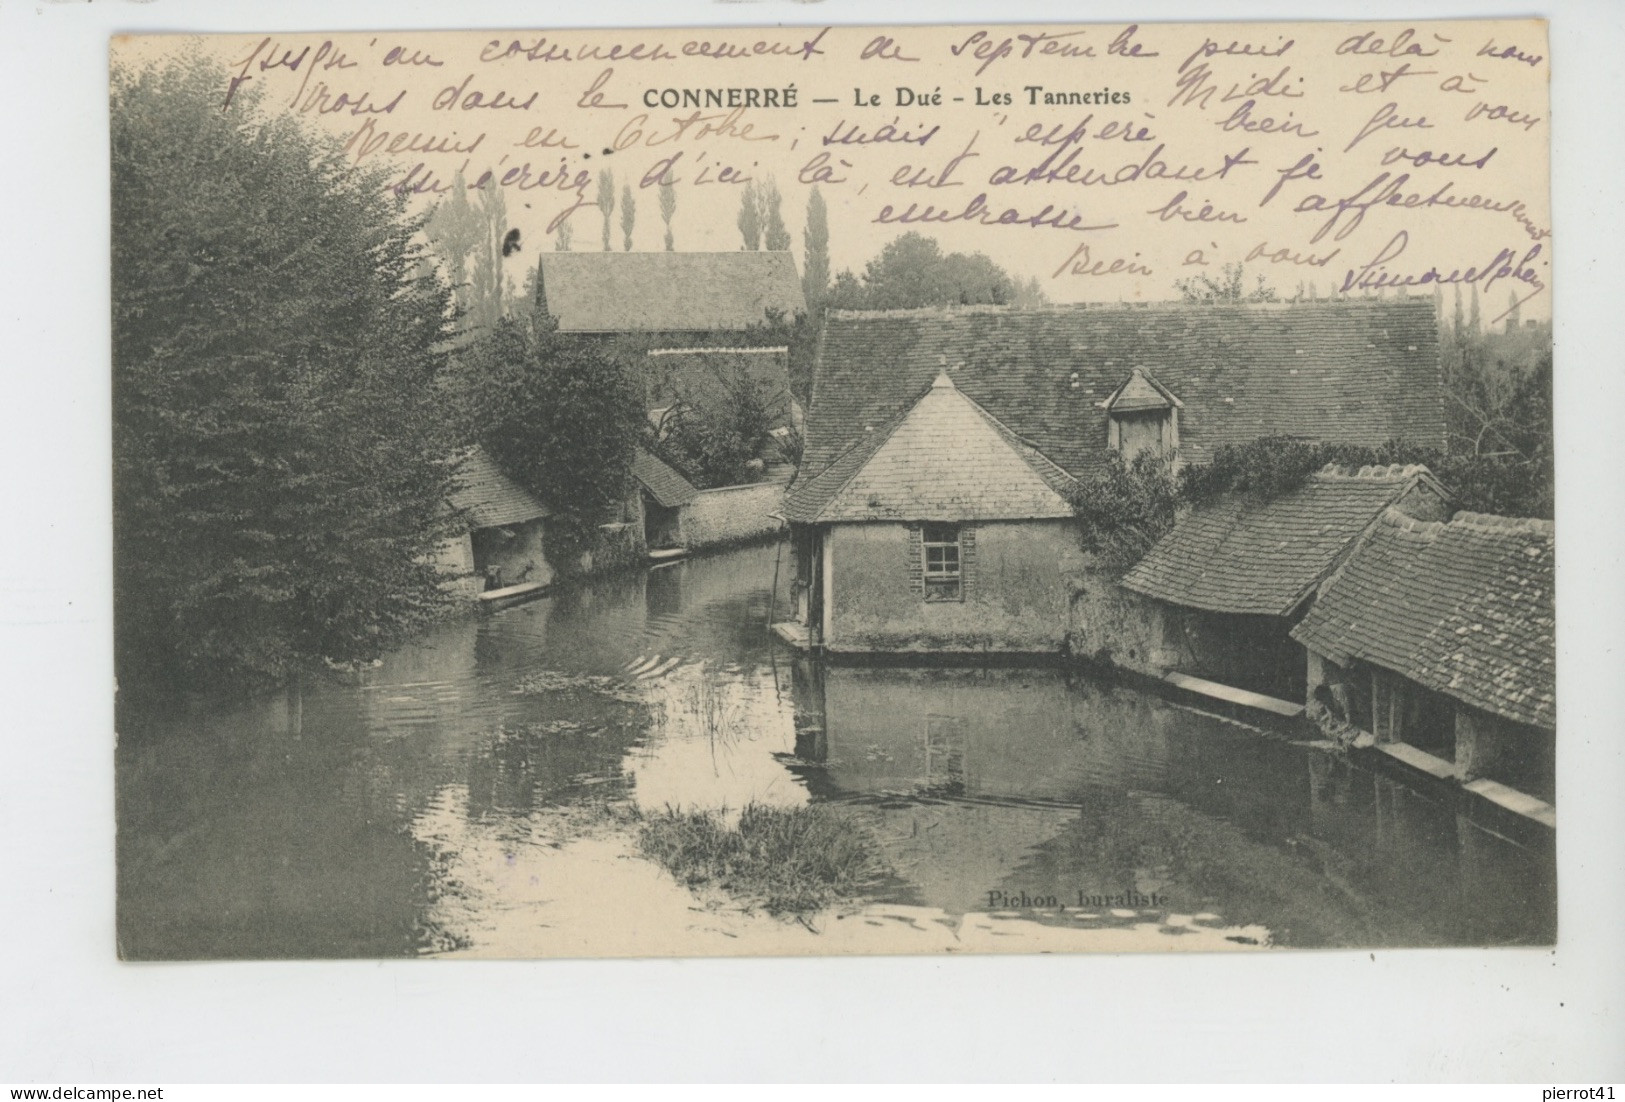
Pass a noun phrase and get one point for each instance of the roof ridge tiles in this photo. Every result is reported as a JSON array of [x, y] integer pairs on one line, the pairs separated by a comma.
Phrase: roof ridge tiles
[[1169, 306], [597, 255], [1396, 517], [1534, 526], [1392, 472]]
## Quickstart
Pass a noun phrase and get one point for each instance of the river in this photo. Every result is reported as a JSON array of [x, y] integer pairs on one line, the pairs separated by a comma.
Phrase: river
[[470, 795]]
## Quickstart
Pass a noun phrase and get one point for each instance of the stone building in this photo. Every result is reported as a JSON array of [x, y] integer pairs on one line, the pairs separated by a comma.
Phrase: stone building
[[700, 321], [1225, 587], [503, 554], [941, 531], [1438, 640], [661, 292], [946, 436], [664, 494]]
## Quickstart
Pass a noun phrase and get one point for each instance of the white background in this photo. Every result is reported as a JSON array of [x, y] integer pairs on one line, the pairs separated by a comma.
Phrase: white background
[[71, 1013]]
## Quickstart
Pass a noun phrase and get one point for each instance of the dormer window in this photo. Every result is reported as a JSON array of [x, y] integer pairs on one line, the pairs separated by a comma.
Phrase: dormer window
[[1142, 416]]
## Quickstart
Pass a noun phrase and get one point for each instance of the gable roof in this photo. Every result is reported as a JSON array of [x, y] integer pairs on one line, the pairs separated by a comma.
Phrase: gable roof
[[1342, 371], [488, 497], [609, 292], [1242, 555], [1141, 392], [1464, 608], [944, 458], [662, 480]]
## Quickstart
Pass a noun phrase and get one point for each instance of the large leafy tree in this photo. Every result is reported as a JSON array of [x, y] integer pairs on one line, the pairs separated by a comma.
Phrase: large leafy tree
[[1230, 285], [719, 427], [561, 414], [281, 462], [912, 271]]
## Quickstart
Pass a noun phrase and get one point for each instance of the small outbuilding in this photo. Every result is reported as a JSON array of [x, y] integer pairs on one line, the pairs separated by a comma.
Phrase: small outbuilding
[[1440, 638], [1232, 578], [664, 494], [504, 548], [941, 531]]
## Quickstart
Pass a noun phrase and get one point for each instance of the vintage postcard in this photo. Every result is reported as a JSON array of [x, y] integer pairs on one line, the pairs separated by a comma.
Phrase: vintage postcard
[[796, 490]]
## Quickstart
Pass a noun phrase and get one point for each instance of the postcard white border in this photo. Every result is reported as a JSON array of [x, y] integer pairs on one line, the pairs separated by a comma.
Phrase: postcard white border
[[73, 1014]]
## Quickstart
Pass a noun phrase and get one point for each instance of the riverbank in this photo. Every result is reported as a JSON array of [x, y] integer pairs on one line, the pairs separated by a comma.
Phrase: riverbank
[[595, 896]]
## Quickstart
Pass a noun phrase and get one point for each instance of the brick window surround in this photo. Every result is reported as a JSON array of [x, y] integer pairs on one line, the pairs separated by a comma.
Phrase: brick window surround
[[939, 560]]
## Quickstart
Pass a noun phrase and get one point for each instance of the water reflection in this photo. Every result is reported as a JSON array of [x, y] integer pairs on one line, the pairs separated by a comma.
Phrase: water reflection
[[991, 784], [464, 795]]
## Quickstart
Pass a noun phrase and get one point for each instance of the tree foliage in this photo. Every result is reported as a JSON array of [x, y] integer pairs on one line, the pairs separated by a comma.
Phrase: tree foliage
[[562, 414], [1126, 507], [815, 243], [913, 271], [1275, 465], [719, 428], [467, 233], [1029, 292], [775, 237], [1230, 285], [281, 454], [629, 214], [749, 219], [606, 202], [668, 207], [1498, 404]]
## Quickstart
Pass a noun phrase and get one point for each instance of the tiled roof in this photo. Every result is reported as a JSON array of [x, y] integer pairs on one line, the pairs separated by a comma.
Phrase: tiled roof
[[1242, 555], [490, 498], [945, 458], [1343, 371], [662, 481], [609, 292], [1464, 608]]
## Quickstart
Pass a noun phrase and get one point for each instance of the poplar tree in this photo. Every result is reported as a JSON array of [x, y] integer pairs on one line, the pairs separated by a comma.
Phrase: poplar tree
[[750, 218], [815, 240], [629, 214], [606, 202], [668, 207], [466, 230], [775, 237], [486, 280]]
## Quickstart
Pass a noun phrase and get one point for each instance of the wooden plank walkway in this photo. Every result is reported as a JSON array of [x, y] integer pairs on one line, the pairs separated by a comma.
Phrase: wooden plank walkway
[[1421, 759], [1232, 695], [511, 592], [1519, 803], [793, 633]]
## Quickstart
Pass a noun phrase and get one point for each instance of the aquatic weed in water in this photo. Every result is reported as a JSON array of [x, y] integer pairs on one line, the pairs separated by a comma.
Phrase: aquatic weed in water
[[786, 860]]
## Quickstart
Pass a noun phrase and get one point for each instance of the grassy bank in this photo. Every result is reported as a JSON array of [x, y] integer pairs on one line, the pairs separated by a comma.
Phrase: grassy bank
[[785, 860]]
